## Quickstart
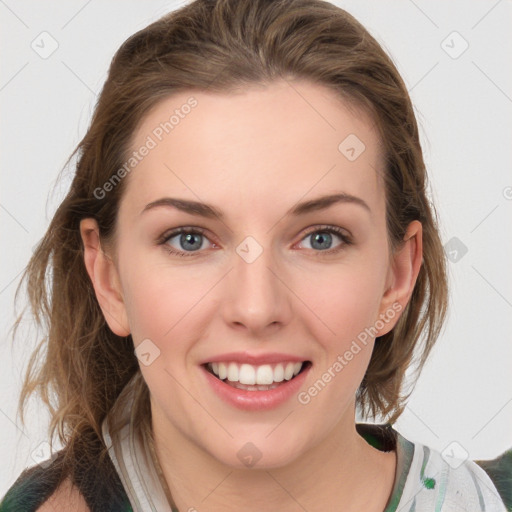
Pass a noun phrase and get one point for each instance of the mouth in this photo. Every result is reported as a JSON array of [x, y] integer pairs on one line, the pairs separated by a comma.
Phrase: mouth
[[250, 377]]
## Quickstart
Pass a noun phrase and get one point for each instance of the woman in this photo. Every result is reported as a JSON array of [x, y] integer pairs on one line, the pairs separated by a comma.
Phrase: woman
[[246, 255]]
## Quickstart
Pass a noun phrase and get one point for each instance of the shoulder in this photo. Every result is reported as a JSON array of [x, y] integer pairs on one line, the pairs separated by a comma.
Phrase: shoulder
[[32, 494], [46, 488], [67, 497], [32, 488], [447, 480], [500, 472]]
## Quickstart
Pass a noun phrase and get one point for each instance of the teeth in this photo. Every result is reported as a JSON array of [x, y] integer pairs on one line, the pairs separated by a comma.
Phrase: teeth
[[247, 374], [288, 371], [232, 372], [264, 375], [279, 373], [223, 371]]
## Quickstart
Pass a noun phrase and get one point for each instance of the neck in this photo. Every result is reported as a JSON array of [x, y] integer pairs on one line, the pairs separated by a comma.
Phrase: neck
[[334, 474]]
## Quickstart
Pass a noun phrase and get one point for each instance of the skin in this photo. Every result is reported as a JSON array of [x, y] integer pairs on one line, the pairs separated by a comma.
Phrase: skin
[[254, 155]]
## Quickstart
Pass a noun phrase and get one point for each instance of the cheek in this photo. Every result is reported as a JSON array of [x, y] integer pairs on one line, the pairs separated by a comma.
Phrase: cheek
[[162, 305], [156, 295], [160, 309], [344, 299], [344, 307], [151, 306]]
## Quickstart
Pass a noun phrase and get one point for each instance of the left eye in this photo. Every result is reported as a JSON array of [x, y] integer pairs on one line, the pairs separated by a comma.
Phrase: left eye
[[321, 239]]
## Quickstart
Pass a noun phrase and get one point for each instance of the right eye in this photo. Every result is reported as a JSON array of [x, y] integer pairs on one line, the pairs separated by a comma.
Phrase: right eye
[[189, 240]]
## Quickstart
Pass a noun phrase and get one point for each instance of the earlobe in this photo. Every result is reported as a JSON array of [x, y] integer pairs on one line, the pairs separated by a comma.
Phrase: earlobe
[[402, 275], [104, 278]]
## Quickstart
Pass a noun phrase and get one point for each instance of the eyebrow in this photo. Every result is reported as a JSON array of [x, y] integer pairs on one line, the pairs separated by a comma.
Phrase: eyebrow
[[209, 211]]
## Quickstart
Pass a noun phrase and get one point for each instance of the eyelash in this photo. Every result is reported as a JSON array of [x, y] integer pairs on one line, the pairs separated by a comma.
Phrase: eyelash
[[346, 239]]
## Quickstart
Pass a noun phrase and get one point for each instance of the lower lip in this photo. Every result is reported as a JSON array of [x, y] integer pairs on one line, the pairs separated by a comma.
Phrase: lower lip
[[256, 400]]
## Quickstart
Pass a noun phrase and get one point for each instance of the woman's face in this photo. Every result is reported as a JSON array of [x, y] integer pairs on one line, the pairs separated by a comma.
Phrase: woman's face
[[261, 280]]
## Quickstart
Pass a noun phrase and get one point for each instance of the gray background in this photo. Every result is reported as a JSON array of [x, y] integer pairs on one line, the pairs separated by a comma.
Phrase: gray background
[[463, 100]]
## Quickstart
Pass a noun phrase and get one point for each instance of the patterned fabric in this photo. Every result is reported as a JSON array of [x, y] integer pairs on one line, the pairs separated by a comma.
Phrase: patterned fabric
[[424, 481]]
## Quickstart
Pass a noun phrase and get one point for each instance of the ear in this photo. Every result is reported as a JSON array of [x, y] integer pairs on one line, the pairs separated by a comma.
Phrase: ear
[[401, 278], [104, 278]]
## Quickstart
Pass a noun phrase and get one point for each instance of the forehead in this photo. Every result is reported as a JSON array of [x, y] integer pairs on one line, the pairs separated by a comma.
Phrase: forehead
[[286, 140]]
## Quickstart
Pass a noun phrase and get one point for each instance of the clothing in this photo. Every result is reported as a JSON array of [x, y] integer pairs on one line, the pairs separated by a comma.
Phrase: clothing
[[424, 481]]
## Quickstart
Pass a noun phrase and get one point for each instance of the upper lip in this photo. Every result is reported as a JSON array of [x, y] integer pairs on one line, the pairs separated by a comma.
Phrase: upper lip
[[255, 359]]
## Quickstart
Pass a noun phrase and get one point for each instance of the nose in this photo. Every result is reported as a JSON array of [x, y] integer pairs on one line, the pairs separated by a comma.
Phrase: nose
[[257, 296]]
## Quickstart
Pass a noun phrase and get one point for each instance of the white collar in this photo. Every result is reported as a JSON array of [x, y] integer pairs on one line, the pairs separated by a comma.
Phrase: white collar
[[131, 458]]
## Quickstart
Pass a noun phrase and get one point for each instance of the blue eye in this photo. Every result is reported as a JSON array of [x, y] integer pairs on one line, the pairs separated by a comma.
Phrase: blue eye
[[322, 239], [190, 240]]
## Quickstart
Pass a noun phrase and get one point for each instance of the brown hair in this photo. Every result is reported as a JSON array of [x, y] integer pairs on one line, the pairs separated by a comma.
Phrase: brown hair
[[220, 46]]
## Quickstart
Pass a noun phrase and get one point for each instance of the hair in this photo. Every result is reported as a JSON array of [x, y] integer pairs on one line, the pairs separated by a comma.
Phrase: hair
[[80, 366]]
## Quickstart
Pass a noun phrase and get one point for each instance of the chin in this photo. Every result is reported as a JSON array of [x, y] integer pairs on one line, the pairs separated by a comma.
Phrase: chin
[[258, 450]]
